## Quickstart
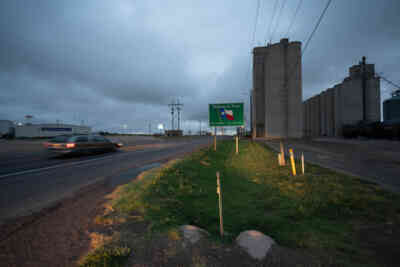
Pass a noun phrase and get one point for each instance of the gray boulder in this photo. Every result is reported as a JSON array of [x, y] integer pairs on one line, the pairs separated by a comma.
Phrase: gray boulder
[[255, 243], [193, 233]]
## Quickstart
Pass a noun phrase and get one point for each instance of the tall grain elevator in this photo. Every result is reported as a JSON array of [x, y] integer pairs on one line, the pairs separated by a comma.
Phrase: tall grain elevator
[[356, 99], [277, 91], [391, 107]]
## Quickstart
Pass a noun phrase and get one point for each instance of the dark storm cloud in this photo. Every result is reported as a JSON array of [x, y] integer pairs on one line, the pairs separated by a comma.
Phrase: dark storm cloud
[[121, 62], [350, 30], [59, 58], [63, 56]]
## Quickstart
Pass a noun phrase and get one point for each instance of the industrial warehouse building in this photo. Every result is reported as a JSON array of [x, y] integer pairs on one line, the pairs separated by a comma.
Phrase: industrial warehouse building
[[49, 130], [356, 99], [276, 98]]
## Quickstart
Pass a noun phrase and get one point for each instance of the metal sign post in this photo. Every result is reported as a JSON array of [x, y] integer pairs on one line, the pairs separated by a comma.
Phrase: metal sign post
[[221, 220], [215, 139], [237, 145]]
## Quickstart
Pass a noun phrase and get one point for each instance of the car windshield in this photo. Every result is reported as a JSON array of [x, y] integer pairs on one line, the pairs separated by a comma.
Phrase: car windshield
[[98, 138], [60, 139], [80, 139]]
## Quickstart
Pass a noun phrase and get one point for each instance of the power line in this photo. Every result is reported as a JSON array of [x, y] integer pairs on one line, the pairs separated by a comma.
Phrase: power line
[[310, 37], [255, 26], [313, 32], [255, 22], [316, 26], [389, 82], [268, 33], [254, 35], [277, 22], [387, 90], [260, 18], [294, 17]]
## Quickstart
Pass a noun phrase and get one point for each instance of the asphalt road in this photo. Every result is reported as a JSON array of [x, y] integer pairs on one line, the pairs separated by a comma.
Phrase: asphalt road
[[21, 155], [377, 161], [30, 180]]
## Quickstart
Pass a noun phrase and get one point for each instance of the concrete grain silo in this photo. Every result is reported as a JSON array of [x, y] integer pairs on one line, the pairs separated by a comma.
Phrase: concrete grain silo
[[277, 90], [391, 107], [355, 100]]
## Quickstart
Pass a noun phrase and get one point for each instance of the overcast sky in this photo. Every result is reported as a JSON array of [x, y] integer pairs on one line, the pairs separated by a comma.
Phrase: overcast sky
[[119, 62]]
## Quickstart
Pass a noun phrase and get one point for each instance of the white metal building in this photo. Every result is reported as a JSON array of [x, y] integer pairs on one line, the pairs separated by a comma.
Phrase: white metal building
[[49, 130]]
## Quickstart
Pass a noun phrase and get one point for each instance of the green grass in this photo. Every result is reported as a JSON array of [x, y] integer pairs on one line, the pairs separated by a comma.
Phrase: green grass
[[313, 211], [107, 256]]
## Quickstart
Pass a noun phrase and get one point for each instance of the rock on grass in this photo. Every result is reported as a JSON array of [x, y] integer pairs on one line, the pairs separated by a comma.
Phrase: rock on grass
[[255, 243]]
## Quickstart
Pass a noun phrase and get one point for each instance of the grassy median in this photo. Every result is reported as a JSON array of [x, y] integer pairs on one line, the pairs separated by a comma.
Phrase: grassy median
[[320, 211]]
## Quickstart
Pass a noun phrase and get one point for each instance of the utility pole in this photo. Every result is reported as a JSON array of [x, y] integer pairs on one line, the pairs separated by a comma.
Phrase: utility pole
[[200, 127], [251, 110], [150, 128], [178, 108], [172, 106]]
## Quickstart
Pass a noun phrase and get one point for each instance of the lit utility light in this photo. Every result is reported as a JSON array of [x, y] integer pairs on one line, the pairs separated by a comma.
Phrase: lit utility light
[[160, 126]]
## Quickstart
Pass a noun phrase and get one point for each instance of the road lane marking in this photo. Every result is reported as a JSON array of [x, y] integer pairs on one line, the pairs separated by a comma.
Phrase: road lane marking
[[80, 162], [66, 164]]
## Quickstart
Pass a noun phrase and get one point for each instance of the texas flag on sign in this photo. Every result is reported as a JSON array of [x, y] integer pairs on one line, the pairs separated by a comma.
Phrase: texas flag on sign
[[227, 114]]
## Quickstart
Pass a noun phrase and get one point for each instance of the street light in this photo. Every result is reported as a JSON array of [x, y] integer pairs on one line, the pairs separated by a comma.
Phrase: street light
[[160, 127]]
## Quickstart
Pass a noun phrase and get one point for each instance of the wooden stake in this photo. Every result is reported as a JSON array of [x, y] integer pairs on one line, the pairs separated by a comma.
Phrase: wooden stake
[[283, 155], [302, 162], [221, 221], [279, 159], [237, 145], [215, 139], [292, 161]]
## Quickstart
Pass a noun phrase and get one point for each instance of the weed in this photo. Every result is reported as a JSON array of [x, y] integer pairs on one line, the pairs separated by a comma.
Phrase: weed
[[107, 256]]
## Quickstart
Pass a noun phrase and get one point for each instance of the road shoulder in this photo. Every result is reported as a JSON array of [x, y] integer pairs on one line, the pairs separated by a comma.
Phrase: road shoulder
[[367, 161]]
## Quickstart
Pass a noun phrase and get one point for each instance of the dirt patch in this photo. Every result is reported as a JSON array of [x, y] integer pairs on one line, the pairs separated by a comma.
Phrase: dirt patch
[[171, 249], [162, 251], [56, 236]]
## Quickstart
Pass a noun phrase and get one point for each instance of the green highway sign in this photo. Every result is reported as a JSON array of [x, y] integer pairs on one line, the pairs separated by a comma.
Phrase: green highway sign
[[230, 114]]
